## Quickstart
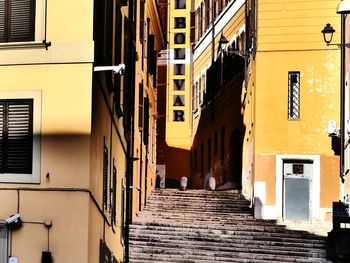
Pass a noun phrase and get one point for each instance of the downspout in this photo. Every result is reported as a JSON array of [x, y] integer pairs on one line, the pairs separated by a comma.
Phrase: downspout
[[342, 101]]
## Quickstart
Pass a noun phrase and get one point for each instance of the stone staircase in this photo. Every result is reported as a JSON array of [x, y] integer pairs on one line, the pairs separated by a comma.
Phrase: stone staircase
[[203, 226]]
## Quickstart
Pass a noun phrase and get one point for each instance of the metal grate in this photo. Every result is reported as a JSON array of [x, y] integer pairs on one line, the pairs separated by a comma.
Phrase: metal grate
[[293, 95]]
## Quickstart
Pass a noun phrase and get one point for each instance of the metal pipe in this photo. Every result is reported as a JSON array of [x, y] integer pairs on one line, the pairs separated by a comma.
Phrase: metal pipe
[[342, 99]]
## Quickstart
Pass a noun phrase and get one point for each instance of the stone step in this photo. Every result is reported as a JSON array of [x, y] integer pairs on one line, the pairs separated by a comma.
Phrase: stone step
[[211, 251], [231, 233], [228, 238], [189, 256], [233, 245]]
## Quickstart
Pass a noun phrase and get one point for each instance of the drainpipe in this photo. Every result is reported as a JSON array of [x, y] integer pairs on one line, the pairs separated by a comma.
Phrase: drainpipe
[[342, 101]]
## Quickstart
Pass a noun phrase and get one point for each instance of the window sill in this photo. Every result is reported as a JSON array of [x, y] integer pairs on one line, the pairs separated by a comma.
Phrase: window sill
[[23, 45]]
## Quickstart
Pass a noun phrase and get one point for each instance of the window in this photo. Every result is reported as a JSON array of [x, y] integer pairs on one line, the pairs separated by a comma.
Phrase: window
[[20, 127], [16, 136], [215, 143], [209, 153], [114, 195], [3, 243], [140, 106], [106, 255], [222, 143], [105, 176], [17, 20], [293, 95]]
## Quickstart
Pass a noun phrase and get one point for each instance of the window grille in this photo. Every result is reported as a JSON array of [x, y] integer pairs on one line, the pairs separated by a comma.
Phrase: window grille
[[293, 95]]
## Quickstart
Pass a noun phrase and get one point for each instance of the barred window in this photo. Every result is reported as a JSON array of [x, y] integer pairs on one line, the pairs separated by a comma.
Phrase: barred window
[[294, 95]]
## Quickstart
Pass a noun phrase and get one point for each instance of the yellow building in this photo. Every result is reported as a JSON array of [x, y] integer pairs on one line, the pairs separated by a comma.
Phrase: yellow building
[[175, 141], [68, 142], [265, 89]]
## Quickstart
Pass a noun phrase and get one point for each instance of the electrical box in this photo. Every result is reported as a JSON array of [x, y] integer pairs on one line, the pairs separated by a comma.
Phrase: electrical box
[[13, 260], [332, 128]]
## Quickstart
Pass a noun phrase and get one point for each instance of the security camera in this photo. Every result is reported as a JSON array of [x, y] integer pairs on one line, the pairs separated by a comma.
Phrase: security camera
[[14, 221], [120, 69]]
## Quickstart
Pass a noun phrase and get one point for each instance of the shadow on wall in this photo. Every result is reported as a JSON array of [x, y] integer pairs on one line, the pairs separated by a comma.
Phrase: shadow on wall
[[217, 147], [175, 162]]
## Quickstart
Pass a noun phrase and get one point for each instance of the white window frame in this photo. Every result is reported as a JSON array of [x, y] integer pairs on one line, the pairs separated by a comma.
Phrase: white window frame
[[34, 177]]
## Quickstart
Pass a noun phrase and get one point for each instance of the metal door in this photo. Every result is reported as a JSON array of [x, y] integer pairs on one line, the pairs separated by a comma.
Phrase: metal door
[[297, 189]]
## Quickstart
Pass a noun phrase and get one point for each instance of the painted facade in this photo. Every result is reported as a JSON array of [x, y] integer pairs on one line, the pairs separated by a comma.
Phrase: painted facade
[[71, 130], [260, 122], [174, 131]]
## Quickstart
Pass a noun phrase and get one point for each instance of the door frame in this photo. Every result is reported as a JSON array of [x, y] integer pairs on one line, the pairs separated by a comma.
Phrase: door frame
[[315, 183]]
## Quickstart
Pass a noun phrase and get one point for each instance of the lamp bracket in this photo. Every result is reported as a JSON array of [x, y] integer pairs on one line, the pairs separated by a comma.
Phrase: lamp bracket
[[340, 45]]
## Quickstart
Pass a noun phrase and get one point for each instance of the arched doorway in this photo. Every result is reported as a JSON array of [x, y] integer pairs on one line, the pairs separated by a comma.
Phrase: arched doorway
[[235, 158]]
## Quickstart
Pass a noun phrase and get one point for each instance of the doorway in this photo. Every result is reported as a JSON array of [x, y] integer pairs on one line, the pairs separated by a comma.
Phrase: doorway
[[297, 181], [297, 187]]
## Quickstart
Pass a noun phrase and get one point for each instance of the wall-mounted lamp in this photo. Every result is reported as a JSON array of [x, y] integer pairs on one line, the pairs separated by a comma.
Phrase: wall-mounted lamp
[[328, 32], [223, 42], [120, 69]]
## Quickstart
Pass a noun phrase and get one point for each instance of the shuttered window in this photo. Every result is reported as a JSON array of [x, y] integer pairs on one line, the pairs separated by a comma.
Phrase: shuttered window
[[106, 255], [114, 196], [105, 176], [17, 20], [16, 136]]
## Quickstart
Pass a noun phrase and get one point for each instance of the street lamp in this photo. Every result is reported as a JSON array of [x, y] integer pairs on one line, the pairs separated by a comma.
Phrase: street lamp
[[343, 9], [222, 42], [328, 32], [222, 46]]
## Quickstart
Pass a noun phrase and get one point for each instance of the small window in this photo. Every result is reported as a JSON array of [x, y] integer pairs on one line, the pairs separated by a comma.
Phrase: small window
[[114, 196], [17, 20], [105, 176], [3, 243], [294, 95]]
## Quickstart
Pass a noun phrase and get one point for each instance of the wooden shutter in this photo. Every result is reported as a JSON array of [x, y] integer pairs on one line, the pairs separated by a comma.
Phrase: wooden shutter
[[2, 137], [142, 20], [2, 21], [105, 176], [20, 19], [16, 128], [105, 253], [193, 27], [146, 121], [114, 195], [140, 106]]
